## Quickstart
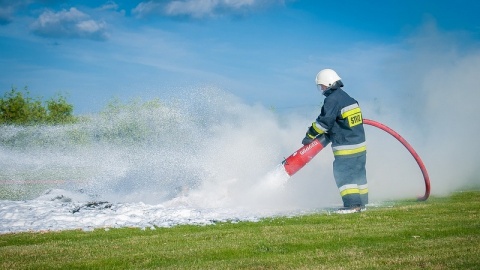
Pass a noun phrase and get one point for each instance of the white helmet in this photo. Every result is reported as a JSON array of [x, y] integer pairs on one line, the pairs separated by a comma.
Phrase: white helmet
[[327, 77]]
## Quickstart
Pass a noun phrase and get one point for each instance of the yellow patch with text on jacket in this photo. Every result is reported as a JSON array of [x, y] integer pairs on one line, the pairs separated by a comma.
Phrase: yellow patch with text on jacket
[[353, 114]]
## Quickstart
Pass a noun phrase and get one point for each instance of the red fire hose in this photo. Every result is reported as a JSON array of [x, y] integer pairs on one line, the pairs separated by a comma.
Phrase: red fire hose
[[302, 156], [397, 136]]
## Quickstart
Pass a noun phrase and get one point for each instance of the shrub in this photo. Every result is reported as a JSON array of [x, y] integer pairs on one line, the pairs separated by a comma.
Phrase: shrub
[[18, 108]]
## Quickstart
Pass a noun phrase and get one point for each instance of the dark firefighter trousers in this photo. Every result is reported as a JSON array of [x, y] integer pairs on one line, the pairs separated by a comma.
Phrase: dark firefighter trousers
[[351, 179]]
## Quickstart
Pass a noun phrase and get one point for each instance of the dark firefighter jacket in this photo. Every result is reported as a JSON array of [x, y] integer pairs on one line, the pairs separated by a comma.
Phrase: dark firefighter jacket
[[342, 122]]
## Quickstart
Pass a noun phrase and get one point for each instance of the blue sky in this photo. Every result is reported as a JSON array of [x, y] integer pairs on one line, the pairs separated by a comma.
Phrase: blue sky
[[265, 52]]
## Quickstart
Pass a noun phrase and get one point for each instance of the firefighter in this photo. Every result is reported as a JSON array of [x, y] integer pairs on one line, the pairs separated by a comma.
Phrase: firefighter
[[341, 121]]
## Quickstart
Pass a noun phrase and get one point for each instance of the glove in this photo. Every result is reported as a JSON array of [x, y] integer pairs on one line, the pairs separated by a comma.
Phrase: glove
[[307, 140], [310, 136]]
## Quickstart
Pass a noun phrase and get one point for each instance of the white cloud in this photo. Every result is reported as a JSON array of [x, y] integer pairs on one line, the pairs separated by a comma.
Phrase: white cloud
[[147, 8], [201, 8], [9, 8], [70, 23], [109, 5]]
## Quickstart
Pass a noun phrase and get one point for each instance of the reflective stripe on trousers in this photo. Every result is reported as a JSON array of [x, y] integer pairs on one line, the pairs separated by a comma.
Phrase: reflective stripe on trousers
[[351, 178]]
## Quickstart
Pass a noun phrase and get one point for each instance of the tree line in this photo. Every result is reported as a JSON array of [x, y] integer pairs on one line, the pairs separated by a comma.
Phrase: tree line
[[18, 108]]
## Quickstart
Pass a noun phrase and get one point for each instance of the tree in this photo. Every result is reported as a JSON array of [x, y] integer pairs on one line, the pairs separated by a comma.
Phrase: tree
[[59, 111], [18, 108]]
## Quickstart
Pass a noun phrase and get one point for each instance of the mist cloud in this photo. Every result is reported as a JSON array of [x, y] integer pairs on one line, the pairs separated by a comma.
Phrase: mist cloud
[[430, 96]]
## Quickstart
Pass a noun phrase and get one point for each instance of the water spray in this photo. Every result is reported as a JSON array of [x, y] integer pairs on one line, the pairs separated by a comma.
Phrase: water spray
[[302, 156]]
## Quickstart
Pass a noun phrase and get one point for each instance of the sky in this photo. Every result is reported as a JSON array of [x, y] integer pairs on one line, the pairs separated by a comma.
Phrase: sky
[[262, 51]]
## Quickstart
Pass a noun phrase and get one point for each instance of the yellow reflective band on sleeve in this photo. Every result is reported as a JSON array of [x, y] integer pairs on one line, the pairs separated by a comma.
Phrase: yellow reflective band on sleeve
[[349, 107], [319, 129], [351, 112]]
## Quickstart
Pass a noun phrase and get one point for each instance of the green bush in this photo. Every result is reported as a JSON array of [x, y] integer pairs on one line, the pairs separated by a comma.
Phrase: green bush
[[18, 108]]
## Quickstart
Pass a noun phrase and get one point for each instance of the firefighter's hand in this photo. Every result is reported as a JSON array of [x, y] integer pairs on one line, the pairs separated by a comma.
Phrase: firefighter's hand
[[307, 140]]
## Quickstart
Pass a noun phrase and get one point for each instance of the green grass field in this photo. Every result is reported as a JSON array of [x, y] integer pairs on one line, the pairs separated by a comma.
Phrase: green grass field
[[441, 233]]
